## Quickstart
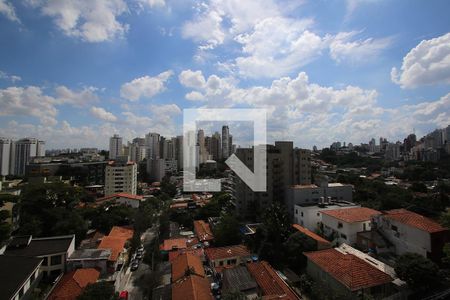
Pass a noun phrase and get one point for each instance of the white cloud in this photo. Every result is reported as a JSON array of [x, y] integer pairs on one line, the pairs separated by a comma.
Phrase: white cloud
[[28, 101], [195, 96], [206, 29], [145, 87], [165, 110], [12, 78], [81, 98], [92, 21], [343, 48], [102, 114], [426, 64], [153, 3], [7, 9], [192, 79]]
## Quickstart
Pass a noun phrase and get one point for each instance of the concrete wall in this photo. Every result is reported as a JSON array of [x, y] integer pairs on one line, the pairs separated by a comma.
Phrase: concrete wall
[[349, 230]]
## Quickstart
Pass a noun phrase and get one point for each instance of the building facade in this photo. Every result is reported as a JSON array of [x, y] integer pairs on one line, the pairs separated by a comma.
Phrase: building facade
[[121, 177]]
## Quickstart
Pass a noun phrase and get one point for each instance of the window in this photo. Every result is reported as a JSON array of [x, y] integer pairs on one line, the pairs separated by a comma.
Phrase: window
[[318, 214], [394, 228], [301, 214], [340, 225], [55, 260], [296, 211]]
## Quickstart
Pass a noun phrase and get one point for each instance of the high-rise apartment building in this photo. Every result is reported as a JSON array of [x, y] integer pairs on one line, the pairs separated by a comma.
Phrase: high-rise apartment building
[[286, 166], [121, 177], [115, 146], [179, 151], [152, 141], [225, 142], [215, 146], [5, 156], [21, 153]]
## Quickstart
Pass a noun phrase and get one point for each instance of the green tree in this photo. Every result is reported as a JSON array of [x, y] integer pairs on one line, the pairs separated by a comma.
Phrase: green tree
[[99, 291], [419, 272], [5, 227], [234, 295], [227, 231], [294, 247]]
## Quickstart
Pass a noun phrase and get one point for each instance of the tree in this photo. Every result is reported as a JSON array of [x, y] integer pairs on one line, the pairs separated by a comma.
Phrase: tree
[[227, 231], [418, 271], [5, 227], [234, 295], [294, 247], [99, 291]]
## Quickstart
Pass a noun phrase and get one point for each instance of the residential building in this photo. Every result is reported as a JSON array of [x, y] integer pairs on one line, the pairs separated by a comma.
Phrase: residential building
[[192, 288], [72, 284], [137, 150], [19, 276], [115, 146], [226, 257], [152, 141], [225, 142], [348, 275], [89, 258], [203, 231], [116, 241], [186, 263], [179, 151], [310, 216], [121, 177], [173, 244], [342, 225], [54, 251], [270, 283], [325, 192], [215, 146], [393, 151], [21, 153], [130, 200], [411, 232], [239, 279], [5, 156], [156, 169], [286, 166], [321, 243]]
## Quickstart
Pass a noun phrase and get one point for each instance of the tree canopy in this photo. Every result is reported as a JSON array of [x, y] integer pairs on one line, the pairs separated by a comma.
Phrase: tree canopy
[[418, 271]]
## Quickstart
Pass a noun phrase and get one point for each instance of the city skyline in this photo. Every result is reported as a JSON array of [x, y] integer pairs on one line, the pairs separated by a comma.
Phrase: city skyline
[[326, 72]]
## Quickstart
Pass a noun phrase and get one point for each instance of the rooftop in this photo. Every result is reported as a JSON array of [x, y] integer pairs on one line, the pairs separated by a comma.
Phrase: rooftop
[[173, 244], [227, 252], [121, 195], [270, 283], [41, 246], [90, 254], [303, 186], [414, 220], [113, 243], [203, 231], [120, 231], [73, 283], [184, 262], [311, 234], [348, 269], [352, 215], [11, 282], [238, 278], [198, 252], [192, 288]]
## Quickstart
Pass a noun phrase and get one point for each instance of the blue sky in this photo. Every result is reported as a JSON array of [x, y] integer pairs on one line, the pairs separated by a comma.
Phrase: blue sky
[[75, 72]]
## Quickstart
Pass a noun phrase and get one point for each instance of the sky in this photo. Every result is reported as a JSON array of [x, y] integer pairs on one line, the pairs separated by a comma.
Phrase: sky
[[74, 72]]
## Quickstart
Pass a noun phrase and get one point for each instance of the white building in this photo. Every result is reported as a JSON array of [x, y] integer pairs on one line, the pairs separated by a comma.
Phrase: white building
[[310, 216], [115, 146], [5, 156], [311, 194], [411, 232], [121, 177], [137, 152], [225, 141], [21, 153], [342, 225]]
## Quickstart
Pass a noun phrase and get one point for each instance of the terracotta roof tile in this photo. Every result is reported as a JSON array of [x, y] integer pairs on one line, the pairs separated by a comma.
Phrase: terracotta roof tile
[[311, 234], [115, 244], [173, 244], [226, 252], [186, 261], [203, 231], [121, 195], [414, 220], [270, 283], [120, 231], [73, 283], [348, 269], [198, 252], [192, 288], [351, 215]]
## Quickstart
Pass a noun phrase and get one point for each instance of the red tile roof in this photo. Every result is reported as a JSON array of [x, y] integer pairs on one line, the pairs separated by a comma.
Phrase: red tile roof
[[226, 252], [119, 231], [414, 220], [73, 283], [352, 215], [198, 252], [184, 262], [311, 234], [203, 231], [348, 269], [115, 244], [192, 288], [173, 244], [270, 283], [121, 195]]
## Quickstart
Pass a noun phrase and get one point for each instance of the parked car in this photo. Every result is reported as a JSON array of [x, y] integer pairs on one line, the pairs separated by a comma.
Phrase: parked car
[[123, 295], [139, 255], [140, 248], [134, 265]]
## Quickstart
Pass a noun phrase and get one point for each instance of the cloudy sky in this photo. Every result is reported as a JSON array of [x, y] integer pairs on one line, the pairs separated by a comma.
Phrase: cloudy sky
[[73, 72]]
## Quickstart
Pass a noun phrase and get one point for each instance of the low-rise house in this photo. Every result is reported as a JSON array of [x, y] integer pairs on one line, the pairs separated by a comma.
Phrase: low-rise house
[[310, 215], [226, 257], [239, 279], [18, 276], [270, 283], [133, 201], [89, 258], [173, 244], [321, 243], [342, 225], [411, 232], [116, 241], [347, 275], [203, 231], [198, 252], [54, 251], [187, 263], [72, 284], [192, 288]]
